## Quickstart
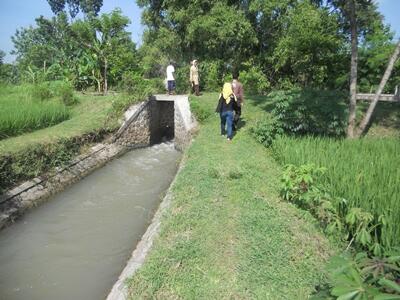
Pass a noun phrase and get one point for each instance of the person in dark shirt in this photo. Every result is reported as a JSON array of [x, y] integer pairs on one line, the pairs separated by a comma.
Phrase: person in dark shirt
[[227, 104], [238, 91]]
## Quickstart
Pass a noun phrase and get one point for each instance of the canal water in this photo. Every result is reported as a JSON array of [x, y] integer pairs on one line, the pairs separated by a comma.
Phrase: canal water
[[75, 245]]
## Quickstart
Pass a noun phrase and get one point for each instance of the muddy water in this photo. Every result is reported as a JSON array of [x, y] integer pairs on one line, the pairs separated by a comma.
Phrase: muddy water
[[75, 246]]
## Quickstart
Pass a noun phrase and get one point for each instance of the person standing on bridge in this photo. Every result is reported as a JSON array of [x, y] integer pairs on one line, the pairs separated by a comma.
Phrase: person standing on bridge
[[227, 104], [194, 78], [170, 78]]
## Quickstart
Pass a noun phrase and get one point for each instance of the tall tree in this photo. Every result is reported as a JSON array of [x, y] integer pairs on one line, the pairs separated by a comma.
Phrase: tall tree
[[101, 36], [88, 7], [2, 55]]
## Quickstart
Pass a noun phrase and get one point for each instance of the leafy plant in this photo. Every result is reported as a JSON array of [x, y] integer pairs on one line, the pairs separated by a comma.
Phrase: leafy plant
[[310, 111], [266, 131], [362, 277]]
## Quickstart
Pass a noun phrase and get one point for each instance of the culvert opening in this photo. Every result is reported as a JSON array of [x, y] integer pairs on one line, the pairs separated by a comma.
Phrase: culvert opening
[[162, 121]]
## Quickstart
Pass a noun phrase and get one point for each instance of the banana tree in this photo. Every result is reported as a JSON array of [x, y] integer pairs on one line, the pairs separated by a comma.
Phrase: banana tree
[[101, 36]]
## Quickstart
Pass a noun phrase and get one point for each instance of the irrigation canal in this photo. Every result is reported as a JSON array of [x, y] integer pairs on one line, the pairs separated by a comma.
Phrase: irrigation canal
[[75, 245]]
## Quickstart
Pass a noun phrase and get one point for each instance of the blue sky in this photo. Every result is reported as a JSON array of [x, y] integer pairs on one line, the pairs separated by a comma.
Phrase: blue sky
[[22, 13]]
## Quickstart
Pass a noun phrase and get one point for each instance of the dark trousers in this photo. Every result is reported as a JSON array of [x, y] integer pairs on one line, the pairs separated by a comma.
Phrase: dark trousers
[[236, 118], [195, 89], [171, 86], [227, 120]]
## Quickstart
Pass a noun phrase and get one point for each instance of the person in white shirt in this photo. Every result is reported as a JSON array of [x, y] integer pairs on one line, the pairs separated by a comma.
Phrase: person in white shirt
[[170, 78]]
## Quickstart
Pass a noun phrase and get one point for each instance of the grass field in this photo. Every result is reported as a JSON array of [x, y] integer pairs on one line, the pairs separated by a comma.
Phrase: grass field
[[89, 115], [20, 113], [365, 172], [227, 234]]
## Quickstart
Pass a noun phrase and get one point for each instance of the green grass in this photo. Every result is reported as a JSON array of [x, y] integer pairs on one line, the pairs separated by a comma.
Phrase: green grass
[[365, 172], [89, 115], [227, 235], [20, 113]]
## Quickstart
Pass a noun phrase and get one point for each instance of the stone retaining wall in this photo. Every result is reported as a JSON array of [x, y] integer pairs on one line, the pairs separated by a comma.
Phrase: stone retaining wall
[[31, 193]]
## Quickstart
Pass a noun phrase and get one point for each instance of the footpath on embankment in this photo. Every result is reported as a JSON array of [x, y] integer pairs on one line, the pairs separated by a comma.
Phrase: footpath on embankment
[[227, 234]]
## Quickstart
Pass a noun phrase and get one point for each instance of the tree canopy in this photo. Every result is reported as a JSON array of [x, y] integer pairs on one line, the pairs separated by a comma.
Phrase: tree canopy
[[88, 7]]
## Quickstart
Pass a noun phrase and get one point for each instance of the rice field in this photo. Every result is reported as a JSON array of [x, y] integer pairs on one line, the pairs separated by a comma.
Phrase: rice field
[[20, 113], [365, 172]]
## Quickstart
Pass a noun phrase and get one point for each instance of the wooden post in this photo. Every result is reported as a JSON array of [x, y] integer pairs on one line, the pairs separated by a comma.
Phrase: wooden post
[[385, 78]]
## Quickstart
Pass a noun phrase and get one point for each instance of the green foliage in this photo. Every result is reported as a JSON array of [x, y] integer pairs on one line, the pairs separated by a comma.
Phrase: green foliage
[[33, 161], [360, 228], [41, 91], [2, 55], [254, 81], [374, 53], [201, 113], [88, 7], [136, 89], [362, 277], [266, 131], [309, 48], [84, 52], [355, 171], [181, 76], [65, 91], [211, 74], [19, 113], [310, 111]]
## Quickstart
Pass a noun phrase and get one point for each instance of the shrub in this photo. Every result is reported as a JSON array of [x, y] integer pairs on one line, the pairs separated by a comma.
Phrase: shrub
[[41, 91], [266, 131], [211, 75], [65, 91], [182, 80], [360, 276], [310, 111], [133, 83], [254, 81]]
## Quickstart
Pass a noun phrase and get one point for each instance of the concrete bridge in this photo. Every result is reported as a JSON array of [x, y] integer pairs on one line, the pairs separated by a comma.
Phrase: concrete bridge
[[161, 117]]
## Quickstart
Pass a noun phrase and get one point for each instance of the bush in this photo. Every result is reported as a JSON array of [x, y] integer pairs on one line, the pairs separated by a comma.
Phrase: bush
[[182, 80], [266, 131], [254, 81], [133, 83], [41, 91], [65, 91], [310, 111], [211, 75]]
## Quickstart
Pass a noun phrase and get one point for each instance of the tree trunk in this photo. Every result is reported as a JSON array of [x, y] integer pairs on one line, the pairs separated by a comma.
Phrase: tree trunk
[[385, 78], [97, 81], [105, 77], [353, 70]]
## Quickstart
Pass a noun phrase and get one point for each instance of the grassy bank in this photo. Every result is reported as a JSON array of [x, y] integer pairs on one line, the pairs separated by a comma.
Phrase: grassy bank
[[89, 115], [227, 234], [30, 154]]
